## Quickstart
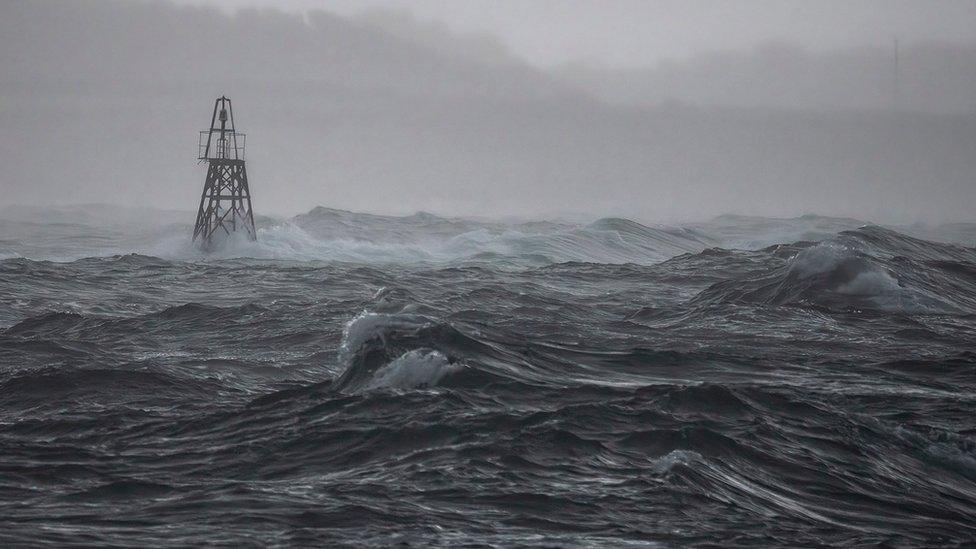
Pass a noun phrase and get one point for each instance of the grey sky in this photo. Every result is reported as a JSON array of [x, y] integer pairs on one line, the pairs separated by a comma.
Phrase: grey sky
[[641, 32], [379, 114]]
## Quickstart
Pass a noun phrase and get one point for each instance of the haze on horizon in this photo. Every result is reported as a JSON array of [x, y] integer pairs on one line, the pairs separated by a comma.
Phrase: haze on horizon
[[658, 111], [642, 33]]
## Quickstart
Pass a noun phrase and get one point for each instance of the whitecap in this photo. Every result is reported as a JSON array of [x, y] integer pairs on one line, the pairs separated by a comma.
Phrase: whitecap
[[667, 462], [416, 368]]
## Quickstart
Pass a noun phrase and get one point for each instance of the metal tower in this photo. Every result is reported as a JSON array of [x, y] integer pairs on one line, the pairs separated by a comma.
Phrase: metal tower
[[225, 205]]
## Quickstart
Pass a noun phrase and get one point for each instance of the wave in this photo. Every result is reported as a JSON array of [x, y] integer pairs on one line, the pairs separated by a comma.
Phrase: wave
[[755, 233], [333, 235], [416, 368], [383, 350], [186, 316], [604, 241], [868, 268], [406, 350], [325, 234], [136, 388]]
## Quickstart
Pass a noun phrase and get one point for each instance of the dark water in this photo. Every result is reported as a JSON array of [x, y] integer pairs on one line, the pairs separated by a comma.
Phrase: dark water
[[802, 394]]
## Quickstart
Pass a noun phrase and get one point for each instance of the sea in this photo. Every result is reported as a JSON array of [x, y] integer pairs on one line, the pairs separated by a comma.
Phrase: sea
[[360, 380]]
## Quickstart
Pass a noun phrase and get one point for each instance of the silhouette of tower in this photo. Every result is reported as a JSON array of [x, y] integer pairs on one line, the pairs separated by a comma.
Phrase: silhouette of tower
[[225, 205]]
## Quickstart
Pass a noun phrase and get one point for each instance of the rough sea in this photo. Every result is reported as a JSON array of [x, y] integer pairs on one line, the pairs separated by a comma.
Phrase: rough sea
[[354, 380]]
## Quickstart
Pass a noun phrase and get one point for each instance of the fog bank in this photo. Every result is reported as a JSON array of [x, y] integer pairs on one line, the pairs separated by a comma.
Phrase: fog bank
[[358, 113]]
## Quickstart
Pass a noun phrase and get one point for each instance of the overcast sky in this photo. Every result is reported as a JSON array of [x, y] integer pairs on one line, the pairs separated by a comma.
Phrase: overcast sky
[[377, 114], [641, 32]]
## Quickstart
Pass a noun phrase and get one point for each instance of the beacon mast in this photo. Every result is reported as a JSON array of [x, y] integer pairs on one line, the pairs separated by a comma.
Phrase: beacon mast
[[225, 205]]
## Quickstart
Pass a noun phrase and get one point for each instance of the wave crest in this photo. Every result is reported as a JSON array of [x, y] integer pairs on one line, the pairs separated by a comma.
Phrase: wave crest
[[416, 368], [870, 268], [397, 351]]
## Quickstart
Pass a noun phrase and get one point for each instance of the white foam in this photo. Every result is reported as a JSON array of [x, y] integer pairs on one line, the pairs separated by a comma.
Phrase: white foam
[[416, 368], [871, 280], [366, 326], [823, 258], [364, 238], [665, 463], [819, 259], [288, 241], [870, 283]]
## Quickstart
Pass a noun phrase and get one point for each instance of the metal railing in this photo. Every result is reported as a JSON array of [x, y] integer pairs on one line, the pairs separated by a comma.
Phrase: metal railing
[[230, 147]]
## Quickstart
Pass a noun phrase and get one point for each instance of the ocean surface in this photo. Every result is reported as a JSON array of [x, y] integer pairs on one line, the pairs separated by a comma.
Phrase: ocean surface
[[361, 380]]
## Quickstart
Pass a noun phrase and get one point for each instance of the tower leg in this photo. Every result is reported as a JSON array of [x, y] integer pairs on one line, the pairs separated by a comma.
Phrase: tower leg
[[225, 204]]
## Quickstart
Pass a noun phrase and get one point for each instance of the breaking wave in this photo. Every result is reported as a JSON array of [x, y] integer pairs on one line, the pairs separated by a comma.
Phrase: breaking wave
[[400, 351], [868, 268], [605, 241], [412, 380], [333, 235]]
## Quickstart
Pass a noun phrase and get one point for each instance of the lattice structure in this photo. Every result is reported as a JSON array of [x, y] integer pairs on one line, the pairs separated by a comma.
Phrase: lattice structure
[[225, 205]]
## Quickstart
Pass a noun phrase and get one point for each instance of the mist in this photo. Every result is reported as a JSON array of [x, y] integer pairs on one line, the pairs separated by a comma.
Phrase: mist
[[381, 111], [629, 34], [491, 273]]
